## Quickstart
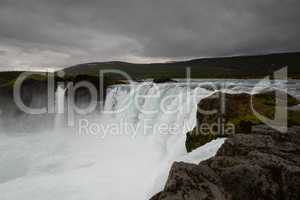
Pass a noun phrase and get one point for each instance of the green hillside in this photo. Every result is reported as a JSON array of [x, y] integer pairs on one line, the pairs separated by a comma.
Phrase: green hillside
[[226, 67]]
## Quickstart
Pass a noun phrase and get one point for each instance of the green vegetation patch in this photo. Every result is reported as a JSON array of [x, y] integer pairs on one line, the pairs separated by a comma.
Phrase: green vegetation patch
[[239, 113]]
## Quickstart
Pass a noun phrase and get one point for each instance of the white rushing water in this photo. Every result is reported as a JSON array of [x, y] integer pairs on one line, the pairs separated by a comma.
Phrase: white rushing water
[[107, 155], [59, 121]]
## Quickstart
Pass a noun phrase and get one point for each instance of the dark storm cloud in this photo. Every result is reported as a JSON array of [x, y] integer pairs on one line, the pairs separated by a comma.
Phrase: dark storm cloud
[[57, 33]]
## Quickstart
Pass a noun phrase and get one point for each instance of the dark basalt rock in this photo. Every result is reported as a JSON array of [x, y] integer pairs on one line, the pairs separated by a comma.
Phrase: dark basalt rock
[[163, 80], [262, 165]]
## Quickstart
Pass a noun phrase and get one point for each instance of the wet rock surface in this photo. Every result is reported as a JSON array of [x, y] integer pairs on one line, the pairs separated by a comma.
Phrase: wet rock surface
[[264, 164]]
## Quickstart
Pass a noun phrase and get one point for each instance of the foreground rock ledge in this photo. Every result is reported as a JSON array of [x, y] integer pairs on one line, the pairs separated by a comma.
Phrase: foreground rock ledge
[[262, 165]]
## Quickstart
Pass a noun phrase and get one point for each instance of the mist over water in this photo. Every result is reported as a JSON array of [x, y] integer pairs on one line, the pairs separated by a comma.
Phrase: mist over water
[[109, 154]]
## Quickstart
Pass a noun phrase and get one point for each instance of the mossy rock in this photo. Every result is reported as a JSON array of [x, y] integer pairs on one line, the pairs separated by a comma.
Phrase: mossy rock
[[195, 140], [236, 110], [294, 118]]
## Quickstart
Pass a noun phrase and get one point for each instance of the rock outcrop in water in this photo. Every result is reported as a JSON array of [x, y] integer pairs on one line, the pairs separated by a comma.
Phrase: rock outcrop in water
[[262, 165], [234, 110]]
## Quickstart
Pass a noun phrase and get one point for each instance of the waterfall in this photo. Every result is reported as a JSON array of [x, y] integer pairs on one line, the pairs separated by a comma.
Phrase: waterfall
[[59, 120], [123, 152], [151, 106], [148, 107]]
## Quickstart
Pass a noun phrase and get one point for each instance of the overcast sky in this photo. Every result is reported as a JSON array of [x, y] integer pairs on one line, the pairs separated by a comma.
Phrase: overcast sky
[[60, 33]]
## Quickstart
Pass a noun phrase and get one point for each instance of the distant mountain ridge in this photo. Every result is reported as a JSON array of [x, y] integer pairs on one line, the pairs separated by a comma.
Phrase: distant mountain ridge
[[256, 66], [222, 67]]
